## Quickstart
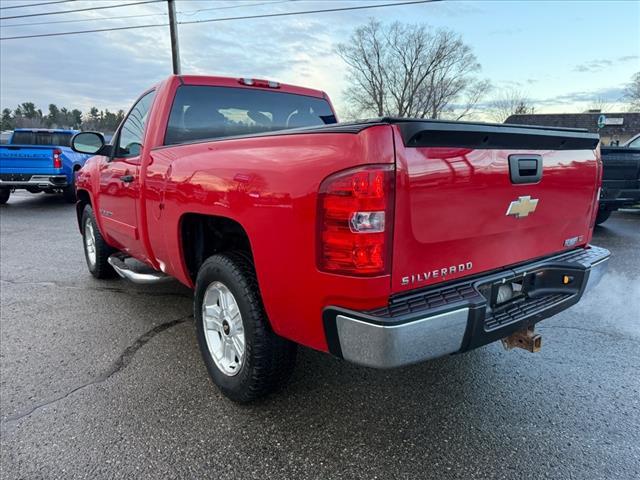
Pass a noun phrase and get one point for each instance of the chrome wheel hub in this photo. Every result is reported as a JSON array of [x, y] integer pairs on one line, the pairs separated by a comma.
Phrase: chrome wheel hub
[[223, 329], [90, 242]]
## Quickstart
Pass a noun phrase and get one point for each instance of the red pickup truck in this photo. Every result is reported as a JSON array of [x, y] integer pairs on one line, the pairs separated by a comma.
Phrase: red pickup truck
[[384, 242]]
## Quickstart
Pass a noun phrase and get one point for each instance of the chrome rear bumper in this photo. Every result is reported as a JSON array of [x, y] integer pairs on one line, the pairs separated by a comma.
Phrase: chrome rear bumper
[[457, 317], [596, 272], [39, 181], [384, 346]]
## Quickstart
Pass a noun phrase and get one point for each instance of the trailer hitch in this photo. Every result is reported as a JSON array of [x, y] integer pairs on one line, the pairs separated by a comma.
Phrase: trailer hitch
[[525, 338]]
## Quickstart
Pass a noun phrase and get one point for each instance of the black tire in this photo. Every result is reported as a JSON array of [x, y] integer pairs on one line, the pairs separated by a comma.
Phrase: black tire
[[100, 268], [603, 216], [268, 360], [69, 192], [5, 193]]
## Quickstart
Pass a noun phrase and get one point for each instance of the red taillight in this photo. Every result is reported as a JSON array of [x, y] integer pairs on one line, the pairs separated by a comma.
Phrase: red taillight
[[355, 209], [57, 161]]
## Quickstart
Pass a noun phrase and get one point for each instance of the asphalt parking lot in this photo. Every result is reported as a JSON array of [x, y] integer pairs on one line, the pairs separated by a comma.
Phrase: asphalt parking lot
[[104, 379]]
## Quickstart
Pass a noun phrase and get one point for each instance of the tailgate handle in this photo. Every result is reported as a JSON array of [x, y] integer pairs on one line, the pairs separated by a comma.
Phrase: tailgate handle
[[525, 168]]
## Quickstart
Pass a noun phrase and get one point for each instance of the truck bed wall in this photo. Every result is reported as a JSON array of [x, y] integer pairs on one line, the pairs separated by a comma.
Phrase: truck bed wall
[[269, 186]]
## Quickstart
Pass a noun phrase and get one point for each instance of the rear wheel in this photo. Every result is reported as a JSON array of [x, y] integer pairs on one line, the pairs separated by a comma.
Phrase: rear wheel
[[5, 193], [96, 250], [244, 357], [602, 216]]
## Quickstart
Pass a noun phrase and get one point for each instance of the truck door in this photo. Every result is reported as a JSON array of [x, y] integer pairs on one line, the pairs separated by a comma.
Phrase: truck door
[[119, 180]]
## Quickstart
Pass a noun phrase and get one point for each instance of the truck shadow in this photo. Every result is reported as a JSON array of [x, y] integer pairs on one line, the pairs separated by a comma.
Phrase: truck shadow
[[34, 201]]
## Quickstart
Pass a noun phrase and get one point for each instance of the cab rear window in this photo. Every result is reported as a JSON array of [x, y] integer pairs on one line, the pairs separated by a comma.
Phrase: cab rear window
[[204, 112], [42, 138]]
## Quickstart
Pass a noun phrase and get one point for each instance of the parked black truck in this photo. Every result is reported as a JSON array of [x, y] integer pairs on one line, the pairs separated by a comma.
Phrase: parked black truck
[[620, 178]]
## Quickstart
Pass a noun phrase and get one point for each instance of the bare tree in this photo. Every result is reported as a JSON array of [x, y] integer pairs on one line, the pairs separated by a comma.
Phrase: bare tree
[[366, 57], [598, 105], [509, 102], [410, 71], [632, 93]]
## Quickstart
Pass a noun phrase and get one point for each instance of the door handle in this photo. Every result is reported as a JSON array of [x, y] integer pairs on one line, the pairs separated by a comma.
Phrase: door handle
[[525, 168], [126, 178]]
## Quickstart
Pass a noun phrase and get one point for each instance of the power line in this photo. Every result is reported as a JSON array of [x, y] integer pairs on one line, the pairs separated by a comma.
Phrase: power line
[[193, 12], [189, 12], [307, 12], [361, 7], [84, 20], [35, 4], [85, 31], [60, 12]]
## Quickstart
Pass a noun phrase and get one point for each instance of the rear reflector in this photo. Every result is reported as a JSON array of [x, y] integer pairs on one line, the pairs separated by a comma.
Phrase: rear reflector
[[355, 209]]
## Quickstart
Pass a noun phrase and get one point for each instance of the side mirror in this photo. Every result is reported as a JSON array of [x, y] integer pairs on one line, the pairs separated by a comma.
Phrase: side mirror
[[133, 149], [87, 142]]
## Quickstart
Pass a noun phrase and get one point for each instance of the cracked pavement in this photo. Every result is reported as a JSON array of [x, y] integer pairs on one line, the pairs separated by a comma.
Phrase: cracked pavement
[[104, 380]]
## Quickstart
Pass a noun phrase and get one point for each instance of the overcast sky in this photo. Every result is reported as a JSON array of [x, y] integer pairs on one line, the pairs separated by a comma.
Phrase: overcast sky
[[562, 55]]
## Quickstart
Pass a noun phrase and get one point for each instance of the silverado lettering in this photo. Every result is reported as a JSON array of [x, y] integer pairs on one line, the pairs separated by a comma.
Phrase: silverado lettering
[[234, 187], [441, 272]]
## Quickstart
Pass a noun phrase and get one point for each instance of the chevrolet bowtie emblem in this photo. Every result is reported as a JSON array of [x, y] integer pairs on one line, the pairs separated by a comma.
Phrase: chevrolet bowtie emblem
[[522, 207]]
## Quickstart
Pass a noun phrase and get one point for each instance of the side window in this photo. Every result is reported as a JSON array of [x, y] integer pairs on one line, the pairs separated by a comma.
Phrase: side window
[[635, 143], [132, 131]]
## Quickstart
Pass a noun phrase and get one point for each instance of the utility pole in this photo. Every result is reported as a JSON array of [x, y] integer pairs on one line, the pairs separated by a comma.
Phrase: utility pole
[[173, 28]]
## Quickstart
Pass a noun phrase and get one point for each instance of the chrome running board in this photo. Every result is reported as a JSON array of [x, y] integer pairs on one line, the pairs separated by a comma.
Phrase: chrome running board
[[136, 271]]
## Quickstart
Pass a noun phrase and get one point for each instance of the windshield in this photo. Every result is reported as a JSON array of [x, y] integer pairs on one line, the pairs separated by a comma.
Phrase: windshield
[[201, 112], [56, 139]]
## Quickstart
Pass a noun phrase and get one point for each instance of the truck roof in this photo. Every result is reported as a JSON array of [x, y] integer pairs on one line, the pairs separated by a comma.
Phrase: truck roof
[[243, 82], [48, 130]]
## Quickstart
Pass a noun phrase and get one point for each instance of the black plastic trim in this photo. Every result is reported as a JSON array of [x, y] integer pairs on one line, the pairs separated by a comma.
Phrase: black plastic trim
[[525, 168], [493, 136], [331, 330]]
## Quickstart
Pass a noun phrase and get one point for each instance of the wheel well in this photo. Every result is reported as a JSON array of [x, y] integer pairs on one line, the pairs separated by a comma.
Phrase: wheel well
[[206, 235], [83, 200]]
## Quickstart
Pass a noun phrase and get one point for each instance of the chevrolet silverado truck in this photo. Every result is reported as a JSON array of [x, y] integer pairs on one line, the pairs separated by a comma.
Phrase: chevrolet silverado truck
[[40, 160], [384, 242], [620, 178]]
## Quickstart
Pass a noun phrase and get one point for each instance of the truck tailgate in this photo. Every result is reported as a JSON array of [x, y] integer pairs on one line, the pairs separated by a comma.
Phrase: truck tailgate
[[621, 167], [460, 209], [27, 159]]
